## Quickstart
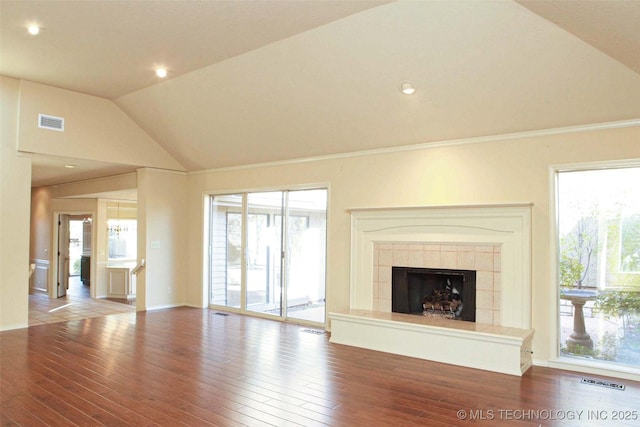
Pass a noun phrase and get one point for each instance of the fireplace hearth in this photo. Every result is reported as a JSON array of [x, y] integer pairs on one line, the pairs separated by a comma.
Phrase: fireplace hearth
[[442, 293]]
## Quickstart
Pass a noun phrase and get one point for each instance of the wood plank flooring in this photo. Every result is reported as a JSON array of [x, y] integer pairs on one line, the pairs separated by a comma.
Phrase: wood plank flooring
[[189, 366]]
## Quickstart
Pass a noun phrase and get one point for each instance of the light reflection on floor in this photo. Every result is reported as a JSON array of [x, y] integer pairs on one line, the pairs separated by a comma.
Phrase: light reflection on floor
[[76, 305]]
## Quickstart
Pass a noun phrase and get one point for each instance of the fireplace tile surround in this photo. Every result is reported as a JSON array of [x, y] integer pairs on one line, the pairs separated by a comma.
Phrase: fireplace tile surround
[[484, 259]]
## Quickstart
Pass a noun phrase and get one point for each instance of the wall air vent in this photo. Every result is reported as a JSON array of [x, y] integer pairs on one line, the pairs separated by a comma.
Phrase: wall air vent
[[46, 121]]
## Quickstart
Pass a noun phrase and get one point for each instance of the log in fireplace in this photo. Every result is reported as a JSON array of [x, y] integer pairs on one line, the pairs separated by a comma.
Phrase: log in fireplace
[[435, 292]]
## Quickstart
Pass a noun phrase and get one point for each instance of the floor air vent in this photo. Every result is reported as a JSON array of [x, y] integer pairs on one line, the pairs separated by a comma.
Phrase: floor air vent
[[221, 314], [313, 331], [46, 121], [602, 383]]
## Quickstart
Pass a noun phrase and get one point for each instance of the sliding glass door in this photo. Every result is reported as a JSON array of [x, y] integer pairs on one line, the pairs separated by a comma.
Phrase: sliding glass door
[[306, 252], [267, 253], [264, 252], [225, 250]]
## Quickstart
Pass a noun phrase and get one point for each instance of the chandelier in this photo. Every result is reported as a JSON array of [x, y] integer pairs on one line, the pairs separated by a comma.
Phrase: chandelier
[[117, 228]]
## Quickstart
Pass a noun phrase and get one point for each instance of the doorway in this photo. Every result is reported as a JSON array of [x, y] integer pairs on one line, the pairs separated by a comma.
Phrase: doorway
[[267, 253], [74, 254]]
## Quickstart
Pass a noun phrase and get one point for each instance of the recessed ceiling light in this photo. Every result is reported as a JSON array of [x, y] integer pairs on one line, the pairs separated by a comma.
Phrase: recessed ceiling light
[[33, 29], [407, 88], [161, 72], [70, 166]]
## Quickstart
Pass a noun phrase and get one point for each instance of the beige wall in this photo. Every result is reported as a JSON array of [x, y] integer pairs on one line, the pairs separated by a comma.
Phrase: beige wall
[[41, 224], [15, 183], [504, 171], [162, 238], [41, 249], [111, 184], [95, 128]]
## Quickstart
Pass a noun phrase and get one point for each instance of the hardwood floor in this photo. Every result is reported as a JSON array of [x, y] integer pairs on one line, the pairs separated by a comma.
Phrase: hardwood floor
[[189, 366]]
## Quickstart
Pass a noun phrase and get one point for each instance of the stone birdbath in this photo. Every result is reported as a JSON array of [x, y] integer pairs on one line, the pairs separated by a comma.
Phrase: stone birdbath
[[578, 298]]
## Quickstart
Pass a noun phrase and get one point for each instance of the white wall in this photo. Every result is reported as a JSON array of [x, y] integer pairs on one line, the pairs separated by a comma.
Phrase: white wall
[[15, 183], [502, 171]]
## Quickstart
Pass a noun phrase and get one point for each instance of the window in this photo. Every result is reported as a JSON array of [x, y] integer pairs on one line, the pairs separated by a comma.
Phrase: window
[[225, 250], [599, 264], [123, 239], [122, 231], [630, 244]]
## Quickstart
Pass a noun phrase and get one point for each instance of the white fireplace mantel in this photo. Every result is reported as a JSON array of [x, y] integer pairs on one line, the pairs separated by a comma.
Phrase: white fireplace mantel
[[508, 226], [501, 347]]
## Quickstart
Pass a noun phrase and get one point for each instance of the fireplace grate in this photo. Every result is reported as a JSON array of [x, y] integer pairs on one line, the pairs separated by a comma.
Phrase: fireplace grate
[[602, 383], [438, 314]]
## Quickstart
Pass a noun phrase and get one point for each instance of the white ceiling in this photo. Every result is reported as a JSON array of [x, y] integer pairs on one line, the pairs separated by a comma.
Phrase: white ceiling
[[261, 81], [110, 48], [50, 170], [611, 26]]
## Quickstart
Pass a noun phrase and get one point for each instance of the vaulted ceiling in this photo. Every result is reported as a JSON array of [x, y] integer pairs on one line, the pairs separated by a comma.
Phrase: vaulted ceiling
[[264, 81]]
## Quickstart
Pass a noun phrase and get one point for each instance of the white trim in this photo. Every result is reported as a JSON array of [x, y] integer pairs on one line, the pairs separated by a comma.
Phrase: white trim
[[163, 306], [206, 247], [435, 144], [554, 289], [160, 170], [541, 362], [437, 207], [194, 306], [284, 187], [596, 368], [596, 165]]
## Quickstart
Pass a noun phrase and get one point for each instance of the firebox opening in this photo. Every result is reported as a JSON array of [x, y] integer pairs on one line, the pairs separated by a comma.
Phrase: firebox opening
[[433, 292]]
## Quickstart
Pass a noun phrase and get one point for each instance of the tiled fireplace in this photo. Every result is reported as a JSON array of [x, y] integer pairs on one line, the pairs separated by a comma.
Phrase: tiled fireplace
[[483, 259], [494, 241]]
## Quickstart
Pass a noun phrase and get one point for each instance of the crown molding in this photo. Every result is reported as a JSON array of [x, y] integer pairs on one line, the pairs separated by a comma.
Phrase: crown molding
[[435, 144]]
